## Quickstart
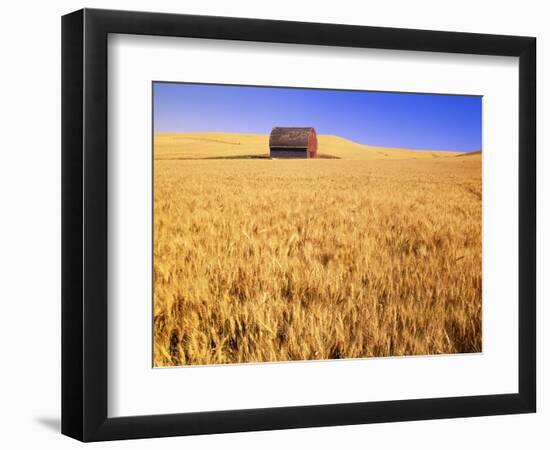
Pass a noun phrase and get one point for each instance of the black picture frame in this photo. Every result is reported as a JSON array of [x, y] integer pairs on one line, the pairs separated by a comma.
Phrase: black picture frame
[[84, 224]]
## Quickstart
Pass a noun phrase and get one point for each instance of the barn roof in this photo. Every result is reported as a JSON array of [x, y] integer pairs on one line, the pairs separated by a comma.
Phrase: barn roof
[[290, 137]]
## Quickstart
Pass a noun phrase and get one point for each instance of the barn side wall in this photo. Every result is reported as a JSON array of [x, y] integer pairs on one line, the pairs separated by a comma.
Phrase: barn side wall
[[312, 145], [288, 153]]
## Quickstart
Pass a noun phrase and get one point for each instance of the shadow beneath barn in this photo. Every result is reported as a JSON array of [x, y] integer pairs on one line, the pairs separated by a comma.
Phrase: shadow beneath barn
[[239, 157], [264, 157]]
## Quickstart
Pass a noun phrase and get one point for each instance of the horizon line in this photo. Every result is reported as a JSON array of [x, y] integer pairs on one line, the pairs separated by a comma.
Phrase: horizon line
[[326, 134]]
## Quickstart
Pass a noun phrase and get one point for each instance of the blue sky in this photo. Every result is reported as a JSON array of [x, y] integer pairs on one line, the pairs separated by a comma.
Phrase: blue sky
[[416, 121]]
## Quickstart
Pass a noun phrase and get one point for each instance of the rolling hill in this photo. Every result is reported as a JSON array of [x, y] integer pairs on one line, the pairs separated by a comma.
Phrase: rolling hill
[[235, 145]]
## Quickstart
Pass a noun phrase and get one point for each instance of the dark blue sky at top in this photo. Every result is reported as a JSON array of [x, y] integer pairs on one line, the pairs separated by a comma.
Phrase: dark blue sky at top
[[416, 121]]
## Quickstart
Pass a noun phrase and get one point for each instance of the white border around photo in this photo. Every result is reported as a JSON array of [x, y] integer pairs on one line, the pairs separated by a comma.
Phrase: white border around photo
[[135, 388]]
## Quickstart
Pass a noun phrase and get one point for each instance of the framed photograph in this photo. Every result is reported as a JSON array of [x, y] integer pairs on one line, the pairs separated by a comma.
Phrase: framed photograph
[[273, 225]]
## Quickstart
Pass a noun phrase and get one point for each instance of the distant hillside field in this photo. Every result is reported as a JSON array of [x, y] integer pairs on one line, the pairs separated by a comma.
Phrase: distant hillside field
[[470, 153], [235, 145]]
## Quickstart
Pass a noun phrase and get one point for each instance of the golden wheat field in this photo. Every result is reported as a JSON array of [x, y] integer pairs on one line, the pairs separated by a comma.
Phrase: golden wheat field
[[377, 253]]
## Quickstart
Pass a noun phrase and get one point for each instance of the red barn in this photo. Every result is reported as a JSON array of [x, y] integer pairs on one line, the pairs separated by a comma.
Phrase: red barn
[[293, 143]]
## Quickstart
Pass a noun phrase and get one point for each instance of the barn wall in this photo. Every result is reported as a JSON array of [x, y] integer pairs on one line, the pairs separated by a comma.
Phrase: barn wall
[[312, 145], [288, 153]]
